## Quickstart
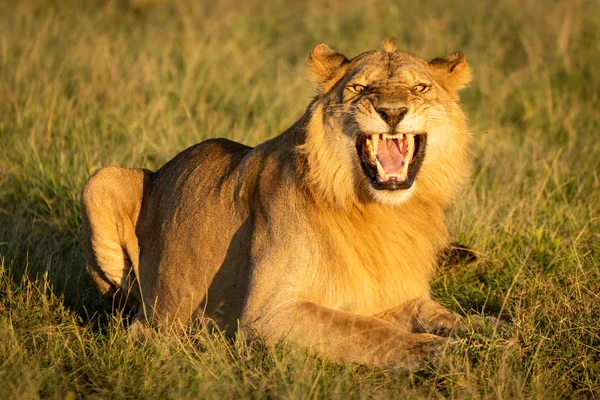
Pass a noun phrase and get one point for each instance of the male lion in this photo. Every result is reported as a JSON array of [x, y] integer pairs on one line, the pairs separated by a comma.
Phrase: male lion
[[325, 235]]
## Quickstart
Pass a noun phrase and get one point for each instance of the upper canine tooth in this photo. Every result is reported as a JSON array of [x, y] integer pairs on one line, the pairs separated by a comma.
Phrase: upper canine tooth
[[375, 139]]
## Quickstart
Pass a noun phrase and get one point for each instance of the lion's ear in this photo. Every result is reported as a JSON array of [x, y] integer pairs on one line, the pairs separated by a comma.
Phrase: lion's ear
[[452, 73], [326, 66]]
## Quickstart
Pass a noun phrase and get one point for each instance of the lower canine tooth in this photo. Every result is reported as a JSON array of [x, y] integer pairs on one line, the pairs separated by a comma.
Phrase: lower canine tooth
[[404, 172], [380, 170]]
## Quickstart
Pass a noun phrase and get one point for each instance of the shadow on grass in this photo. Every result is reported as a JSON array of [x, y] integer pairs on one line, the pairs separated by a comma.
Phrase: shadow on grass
[[39, 245]]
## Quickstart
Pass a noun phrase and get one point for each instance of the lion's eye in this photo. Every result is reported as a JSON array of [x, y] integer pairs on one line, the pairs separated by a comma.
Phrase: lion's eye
[[420, 88], [358, 88]]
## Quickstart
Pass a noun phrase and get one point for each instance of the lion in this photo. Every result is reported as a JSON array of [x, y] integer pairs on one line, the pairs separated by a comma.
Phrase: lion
[[325, 236]]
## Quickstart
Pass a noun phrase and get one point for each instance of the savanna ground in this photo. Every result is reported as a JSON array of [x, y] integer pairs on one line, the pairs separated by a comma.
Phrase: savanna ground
[[87, 83]]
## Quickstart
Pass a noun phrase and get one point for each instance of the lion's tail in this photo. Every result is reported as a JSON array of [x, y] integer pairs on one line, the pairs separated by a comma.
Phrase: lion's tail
[[111, 202]]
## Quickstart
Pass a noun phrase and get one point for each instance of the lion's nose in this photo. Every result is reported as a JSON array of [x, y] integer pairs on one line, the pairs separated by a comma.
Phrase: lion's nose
[[392, 116]]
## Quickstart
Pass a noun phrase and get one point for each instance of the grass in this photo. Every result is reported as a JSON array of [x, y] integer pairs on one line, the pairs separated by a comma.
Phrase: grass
[[88, 83]]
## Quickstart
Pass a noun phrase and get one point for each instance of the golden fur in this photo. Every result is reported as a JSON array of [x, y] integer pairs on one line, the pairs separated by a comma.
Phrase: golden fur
[[289, 239]]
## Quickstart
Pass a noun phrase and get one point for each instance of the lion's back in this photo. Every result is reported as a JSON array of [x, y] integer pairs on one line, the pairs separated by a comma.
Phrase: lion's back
[[187, 230]]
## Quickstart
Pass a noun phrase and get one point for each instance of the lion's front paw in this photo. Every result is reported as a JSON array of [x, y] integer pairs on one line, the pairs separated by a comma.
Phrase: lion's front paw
[[418, 352], [452, 324], [442, 325], [477, 322]]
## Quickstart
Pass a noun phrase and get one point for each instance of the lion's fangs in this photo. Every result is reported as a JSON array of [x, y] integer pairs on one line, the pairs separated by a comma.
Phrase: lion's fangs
[[372, 144]]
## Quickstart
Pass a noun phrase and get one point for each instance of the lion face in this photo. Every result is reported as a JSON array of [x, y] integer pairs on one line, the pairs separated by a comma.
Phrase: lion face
[[398, 112], [386, 115]]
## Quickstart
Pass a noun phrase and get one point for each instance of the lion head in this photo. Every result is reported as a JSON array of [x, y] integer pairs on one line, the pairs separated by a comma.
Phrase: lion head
[[386, 126]]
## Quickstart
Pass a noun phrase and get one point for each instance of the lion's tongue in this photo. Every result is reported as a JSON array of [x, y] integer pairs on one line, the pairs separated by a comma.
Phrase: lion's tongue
[[390, 156]]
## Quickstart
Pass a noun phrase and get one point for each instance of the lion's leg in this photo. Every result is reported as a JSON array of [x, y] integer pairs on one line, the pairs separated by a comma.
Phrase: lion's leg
[[429, 316], [349, 338], [111, 202]]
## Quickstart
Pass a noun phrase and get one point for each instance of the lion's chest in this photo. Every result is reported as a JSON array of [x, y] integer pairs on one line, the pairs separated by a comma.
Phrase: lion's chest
[[372, 269]]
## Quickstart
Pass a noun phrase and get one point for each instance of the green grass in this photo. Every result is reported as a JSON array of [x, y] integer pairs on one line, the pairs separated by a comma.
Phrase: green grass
[[86, 83]]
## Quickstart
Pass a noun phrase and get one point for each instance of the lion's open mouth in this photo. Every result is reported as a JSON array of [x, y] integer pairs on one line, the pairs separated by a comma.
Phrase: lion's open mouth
[[391, 161]]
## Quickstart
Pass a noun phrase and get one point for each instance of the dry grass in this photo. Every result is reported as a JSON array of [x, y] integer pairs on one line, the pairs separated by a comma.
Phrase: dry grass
[[85, 84]]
